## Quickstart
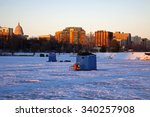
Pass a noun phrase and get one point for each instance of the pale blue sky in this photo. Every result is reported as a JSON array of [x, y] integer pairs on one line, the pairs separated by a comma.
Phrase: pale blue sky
[[39, 17]]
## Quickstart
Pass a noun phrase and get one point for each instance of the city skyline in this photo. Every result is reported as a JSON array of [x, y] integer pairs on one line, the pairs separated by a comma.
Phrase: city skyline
[[46, 17]]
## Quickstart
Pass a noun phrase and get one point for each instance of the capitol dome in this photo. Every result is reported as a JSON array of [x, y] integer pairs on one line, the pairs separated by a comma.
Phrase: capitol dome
[[18, 30]]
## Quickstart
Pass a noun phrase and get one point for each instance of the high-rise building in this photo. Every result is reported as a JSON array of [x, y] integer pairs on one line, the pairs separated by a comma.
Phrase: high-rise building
[[145, 43], [123, 38], [136, 40], [103, 38], [73, 35], [148, 45], [58, 36]]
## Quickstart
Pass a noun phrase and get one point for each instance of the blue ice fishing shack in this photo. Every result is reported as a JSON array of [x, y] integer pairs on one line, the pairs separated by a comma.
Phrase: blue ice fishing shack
[[52, 57], [85, 61]]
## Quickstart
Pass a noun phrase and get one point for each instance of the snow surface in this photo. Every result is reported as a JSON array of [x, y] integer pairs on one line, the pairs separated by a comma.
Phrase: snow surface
[[118, 76]]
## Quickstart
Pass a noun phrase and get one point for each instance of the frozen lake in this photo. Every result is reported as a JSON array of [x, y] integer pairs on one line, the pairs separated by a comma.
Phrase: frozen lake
[[34, 78]]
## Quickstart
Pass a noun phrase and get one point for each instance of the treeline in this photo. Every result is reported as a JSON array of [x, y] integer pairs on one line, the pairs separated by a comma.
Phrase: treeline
[[22, 44]]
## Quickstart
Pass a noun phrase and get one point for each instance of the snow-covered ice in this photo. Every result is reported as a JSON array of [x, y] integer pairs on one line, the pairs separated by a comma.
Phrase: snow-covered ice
[[118, 76]]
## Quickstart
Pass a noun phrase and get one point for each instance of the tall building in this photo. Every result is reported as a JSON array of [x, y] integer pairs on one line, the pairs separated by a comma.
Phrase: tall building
[[103, 38], [18, 30], [123, 38], [58, 36], [73, 35], [148, 45], [136, 40], [145, 43]]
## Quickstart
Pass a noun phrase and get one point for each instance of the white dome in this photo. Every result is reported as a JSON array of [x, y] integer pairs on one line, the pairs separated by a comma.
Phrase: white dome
[[18, 30]]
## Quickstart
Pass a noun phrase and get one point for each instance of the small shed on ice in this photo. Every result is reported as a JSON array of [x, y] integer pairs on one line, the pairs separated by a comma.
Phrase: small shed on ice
[[52, 57], [86, 61]]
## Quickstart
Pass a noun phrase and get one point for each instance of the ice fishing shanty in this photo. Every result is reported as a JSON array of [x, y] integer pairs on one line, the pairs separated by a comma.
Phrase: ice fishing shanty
[[85, 61], [52, 57]]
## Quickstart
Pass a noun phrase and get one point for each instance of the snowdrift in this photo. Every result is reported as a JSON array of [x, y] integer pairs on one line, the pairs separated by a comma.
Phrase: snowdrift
[[123, 55]]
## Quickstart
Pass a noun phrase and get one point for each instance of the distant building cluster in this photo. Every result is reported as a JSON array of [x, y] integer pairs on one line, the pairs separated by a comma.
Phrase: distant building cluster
[[78, 36], [8, 32], [123, 38], [140, 43]]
